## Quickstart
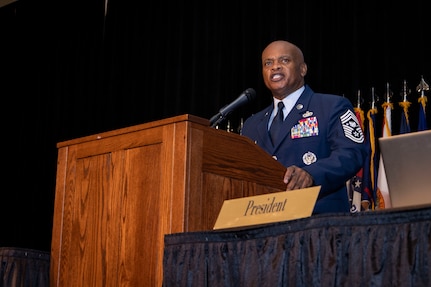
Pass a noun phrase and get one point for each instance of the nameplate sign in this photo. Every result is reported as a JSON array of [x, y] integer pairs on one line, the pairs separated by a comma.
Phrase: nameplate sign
[[267, 208]]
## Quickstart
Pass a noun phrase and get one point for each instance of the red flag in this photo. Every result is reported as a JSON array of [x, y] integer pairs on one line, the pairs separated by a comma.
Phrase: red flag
[[355, 184]]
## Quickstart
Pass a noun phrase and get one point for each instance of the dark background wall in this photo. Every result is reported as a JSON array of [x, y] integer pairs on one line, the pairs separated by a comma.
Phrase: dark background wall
[[75, 68]]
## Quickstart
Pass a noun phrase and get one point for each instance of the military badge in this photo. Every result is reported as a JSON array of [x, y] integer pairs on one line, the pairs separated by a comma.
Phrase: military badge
[[307, 114], [309, 158], [351, 127]]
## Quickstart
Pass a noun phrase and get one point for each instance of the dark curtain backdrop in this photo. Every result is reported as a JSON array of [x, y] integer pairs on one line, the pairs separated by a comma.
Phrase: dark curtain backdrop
[[75, 68]]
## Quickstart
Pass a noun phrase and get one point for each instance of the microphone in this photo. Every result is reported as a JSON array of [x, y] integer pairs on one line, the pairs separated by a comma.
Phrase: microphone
[[246, 97]]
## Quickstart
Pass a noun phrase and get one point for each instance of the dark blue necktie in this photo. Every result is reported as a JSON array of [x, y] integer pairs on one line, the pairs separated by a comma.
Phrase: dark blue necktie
[[276, 123]]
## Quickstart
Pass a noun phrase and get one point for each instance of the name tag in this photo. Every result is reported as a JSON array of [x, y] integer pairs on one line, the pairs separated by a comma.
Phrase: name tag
[[267, 208]]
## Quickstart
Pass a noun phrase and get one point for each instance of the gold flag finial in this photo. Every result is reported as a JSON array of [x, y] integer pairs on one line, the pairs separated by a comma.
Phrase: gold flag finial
[[422, 87]]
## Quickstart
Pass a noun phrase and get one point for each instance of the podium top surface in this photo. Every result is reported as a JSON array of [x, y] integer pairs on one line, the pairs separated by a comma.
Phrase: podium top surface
[[162, 122]]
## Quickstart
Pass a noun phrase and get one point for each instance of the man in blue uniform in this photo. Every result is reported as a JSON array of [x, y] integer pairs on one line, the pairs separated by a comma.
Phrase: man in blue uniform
[[319, 140]]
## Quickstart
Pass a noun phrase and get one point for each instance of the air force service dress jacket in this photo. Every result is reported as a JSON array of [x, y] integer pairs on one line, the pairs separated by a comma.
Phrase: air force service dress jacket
[[322, 135]]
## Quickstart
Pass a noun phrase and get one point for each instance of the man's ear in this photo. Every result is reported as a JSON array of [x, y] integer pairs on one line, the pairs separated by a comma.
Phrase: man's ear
[[304, 69]]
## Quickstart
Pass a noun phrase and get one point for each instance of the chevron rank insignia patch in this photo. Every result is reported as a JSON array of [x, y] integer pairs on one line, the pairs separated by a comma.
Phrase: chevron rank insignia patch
[[351, 127]]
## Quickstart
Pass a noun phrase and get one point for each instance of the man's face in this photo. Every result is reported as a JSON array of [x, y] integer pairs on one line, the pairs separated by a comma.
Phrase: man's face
[[283, 68]]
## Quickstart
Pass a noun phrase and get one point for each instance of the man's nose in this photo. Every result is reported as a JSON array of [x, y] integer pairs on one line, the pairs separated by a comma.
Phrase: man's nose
[[276, 67]]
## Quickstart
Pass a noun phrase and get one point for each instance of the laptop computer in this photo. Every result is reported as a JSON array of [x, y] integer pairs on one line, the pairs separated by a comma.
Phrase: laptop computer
[[407, 164]]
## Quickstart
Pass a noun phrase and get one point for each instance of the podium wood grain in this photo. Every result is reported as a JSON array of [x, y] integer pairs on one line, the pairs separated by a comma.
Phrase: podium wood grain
[[118, 193]]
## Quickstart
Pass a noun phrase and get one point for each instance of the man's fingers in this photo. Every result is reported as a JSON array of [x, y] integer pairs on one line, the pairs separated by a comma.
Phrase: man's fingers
[[297, 178]]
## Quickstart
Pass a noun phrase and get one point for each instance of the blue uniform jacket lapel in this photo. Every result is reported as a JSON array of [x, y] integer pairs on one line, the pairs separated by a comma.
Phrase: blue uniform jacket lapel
[[262, 129]]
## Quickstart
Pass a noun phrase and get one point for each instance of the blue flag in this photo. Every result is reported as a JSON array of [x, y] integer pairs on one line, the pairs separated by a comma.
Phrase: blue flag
[[370, 168], [422, 125], [421, 88], [405, 125]]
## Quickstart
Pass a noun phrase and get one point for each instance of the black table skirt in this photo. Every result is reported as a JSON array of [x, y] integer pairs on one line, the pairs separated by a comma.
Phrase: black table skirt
[[21, 267], [376, 248]]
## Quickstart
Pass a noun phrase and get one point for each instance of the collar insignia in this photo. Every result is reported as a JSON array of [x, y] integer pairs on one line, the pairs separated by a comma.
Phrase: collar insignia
[[299, 106]]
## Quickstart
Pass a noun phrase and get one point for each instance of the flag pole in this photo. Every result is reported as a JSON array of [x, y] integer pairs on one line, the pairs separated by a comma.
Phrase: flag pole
[[383, 198], [405, 104]]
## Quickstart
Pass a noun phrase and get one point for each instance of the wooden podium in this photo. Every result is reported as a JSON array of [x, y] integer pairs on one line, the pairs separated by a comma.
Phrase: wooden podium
[[119, 192]]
